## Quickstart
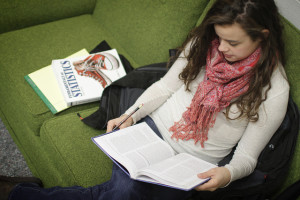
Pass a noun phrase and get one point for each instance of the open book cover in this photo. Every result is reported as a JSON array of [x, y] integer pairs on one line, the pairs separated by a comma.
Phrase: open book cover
[[44, 83], [83, 79], [145, 157]]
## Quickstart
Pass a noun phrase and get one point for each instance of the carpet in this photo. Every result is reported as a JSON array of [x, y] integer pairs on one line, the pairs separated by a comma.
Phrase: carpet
[[12, 162]]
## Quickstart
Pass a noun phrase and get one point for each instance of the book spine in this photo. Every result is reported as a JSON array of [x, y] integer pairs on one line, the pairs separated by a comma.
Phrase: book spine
[[61, 80]]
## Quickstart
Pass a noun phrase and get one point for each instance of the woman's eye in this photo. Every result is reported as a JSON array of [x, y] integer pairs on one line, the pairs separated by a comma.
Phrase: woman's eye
[[233, 44]]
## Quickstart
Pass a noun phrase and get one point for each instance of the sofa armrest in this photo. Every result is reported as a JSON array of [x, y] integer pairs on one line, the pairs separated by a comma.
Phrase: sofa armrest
[[20, 14]]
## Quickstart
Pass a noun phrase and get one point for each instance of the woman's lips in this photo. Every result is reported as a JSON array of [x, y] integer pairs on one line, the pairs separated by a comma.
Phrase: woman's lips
[[227, 56]]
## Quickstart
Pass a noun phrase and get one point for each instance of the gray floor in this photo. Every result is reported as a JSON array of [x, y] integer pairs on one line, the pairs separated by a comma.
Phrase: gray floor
[[12, 162]]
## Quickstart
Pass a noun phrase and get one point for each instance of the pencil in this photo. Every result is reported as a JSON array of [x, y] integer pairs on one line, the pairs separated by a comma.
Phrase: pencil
[[116, 127]]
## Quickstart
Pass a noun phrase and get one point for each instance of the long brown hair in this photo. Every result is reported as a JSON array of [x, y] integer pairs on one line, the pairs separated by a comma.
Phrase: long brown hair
[[253, 16]]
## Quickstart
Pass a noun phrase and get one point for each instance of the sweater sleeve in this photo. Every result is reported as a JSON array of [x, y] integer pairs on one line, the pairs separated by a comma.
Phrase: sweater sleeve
[[257, 135], [161, 90]]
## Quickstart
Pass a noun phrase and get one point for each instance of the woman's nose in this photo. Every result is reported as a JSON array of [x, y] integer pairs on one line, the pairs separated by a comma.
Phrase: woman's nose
[[223, 46]]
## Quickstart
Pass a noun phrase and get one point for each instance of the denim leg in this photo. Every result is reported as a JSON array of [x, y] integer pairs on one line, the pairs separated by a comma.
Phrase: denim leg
[[122, 187], [119, 187], [30, 191]]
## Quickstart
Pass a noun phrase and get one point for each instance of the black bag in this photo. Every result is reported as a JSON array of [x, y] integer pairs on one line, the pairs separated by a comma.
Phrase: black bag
[[272, 166], [291, 192], [121, 94]]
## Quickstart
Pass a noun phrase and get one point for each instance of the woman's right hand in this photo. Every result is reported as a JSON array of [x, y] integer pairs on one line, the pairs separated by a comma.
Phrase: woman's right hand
[[115, 122]]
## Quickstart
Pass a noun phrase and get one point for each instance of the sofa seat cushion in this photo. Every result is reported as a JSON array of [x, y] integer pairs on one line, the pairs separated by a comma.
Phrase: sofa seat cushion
[[27, 50], [75, 159]]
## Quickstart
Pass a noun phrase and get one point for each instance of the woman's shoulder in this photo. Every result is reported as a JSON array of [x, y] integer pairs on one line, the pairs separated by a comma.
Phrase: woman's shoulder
[[279, 82]]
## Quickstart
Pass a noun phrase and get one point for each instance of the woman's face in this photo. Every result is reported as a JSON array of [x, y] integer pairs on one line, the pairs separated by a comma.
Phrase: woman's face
[[235, 43]]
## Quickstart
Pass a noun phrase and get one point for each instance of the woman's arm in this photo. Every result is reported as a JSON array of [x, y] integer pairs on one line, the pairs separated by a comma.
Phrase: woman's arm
[[156, 94], [160, 91], [257, 135], [153, 97]]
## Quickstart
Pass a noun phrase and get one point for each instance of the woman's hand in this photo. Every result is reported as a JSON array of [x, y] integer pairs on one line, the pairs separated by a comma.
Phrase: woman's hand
[[220, 176], [115, 122]]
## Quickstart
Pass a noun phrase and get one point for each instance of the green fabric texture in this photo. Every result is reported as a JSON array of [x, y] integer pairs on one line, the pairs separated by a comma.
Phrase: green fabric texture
[[154, 26], [58, 148], [292, 43], [20, 14], [75, 152], [292, 68], [209, 5], [36, 47]]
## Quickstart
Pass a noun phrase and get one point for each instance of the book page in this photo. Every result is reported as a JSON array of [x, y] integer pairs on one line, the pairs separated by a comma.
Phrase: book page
[[180, 171], [135, 147], [48, 85]]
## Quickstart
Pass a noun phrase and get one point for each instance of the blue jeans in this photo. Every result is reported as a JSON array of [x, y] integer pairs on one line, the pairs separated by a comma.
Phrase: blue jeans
[[119, 187]]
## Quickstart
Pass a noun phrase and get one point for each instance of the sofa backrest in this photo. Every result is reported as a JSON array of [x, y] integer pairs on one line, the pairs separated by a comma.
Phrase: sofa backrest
[[147, 29], [292, 67], [20, 14]]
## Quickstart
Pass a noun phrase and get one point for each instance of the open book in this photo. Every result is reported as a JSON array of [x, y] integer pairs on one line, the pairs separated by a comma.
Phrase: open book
[[146, 157]]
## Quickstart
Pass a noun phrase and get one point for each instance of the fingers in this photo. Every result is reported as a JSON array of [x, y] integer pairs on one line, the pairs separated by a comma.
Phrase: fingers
[[219, 177], [126, 124], [111, 124], [206, 174], [211, 185]]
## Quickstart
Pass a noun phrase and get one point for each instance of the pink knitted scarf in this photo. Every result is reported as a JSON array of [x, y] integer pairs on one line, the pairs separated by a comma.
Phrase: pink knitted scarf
[[222, 83]]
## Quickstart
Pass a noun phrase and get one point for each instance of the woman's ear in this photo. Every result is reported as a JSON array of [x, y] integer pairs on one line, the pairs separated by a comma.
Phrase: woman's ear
[[265, 32]]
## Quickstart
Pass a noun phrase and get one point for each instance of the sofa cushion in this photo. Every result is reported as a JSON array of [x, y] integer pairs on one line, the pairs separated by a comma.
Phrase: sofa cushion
[[292, 68], [154, 26], [73, 153], [21, 14], [292, 43], [27, 50]]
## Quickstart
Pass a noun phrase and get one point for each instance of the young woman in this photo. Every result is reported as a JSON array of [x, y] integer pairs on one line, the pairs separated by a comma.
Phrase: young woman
[[226, 88]]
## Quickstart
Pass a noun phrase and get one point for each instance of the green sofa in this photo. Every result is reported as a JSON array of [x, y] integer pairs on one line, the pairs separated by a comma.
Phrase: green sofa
[[58, 148]]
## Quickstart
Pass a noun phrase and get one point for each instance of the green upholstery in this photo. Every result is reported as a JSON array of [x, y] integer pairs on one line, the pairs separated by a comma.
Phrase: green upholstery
[[21, 14], [152, 25], [29, 49], [292, 68], [292, 43], [58, 148], [75, 154]]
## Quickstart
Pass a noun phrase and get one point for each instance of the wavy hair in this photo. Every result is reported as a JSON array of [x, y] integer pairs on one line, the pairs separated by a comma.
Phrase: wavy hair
[[253, 16]]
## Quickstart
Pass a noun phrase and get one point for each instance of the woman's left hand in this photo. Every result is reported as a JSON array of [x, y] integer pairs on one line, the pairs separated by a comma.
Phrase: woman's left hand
[[219, 177]]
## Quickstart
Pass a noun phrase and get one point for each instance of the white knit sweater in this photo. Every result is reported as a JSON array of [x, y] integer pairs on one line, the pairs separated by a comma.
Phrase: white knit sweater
[[167, 99]]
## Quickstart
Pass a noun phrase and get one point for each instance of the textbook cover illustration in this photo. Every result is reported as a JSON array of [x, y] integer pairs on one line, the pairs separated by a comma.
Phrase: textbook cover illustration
[[83, 79], [144, 156], [44, 83]]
